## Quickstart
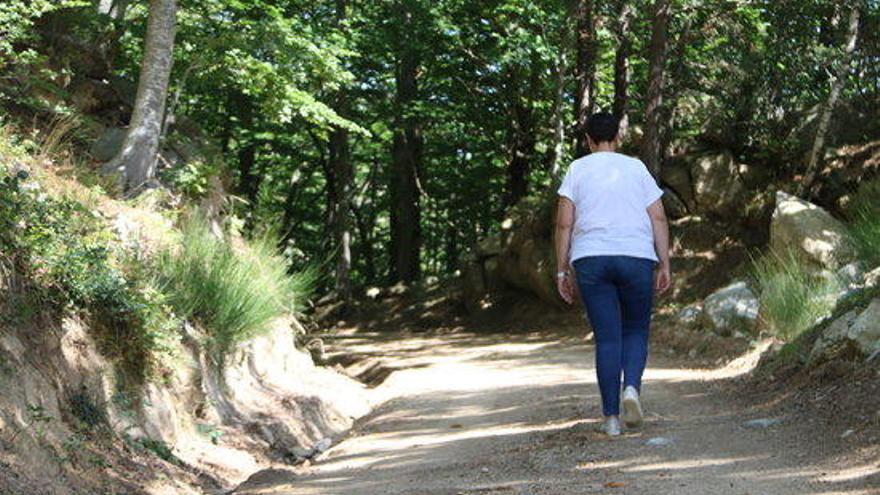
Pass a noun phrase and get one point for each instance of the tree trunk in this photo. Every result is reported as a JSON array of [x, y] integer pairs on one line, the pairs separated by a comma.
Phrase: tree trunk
[[652, 142], [621, 60], [521, 137], [585, 68], [114, 8], [340, 162], [366, 251], [557, 161], [837, 82], [248, 179], [406, 235], [136, 161]]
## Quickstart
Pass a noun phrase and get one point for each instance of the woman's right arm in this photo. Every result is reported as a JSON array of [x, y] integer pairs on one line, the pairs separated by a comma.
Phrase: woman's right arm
[[660, 225], [564, 223]]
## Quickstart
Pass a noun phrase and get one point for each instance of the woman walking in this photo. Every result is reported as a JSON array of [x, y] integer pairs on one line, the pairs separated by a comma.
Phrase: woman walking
[[612, 239]]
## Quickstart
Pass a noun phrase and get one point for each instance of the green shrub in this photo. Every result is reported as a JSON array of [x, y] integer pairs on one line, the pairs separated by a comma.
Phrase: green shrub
[[193, 179], [61, 249], [792, 297], [233, 293], [865, 234], [864, 209], [865, 200]]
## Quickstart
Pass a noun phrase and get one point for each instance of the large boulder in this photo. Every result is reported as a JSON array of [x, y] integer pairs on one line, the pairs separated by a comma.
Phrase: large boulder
[[717, 185], [676, 176], [108, 144], [731, 309], [489, 246], [833, 342], [865, 331], [810, 232], [673, 204], [527, 259], [851, 335]]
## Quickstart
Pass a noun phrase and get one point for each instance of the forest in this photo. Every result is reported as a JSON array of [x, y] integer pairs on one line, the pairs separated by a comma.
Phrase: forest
[[384, 138], [307, 246]]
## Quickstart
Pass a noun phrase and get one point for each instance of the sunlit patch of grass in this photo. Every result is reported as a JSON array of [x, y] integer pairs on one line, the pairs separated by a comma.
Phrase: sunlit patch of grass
[[865, 227], [235, 293], [793, 297]]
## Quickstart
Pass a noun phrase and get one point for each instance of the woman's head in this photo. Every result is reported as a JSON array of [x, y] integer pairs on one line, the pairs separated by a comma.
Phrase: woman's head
[[602, 127]]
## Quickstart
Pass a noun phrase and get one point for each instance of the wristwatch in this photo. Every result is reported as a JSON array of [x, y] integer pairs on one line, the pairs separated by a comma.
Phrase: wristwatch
[[562, 274]]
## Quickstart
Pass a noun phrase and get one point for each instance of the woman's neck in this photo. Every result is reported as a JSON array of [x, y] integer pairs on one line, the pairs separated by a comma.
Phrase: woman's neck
[[605, 146]]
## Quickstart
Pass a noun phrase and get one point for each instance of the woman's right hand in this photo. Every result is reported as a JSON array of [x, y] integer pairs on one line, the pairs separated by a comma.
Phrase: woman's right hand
[[662, 278], [565, 288]]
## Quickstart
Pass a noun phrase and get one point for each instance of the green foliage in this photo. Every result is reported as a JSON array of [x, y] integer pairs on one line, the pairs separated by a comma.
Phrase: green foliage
[[157, 447], [210, 431], [234, 293], [865, 233], [65, 252], [86, 410], [38, 420], [793, 298], [17, 25], [272, 80], [193, 179], [864, 211]]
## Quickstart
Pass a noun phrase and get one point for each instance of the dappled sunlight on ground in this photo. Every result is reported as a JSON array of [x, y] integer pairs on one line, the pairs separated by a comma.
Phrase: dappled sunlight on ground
[[468, 414]]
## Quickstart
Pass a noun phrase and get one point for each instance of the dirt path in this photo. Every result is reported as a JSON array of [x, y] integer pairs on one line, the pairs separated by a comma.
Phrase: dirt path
[[484, 415]]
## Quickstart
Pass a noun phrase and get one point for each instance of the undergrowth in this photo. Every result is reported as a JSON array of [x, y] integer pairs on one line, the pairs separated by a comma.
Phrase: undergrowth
[[793, 298], [865, 226], [235, 293], [65, 253]]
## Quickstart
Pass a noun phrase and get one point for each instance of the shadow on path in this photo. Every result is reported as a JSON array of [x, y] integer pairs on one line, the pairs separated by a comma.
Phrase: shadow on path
[[515, 414]]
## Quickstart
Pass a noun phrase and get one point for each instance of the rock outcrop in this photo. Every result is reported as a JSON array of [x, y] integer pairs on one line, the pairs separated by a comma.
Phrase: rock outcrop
[[268, 402], [717, 185], [731, 309], [521, 256], [852, 335], [707, 181], [810, 232]]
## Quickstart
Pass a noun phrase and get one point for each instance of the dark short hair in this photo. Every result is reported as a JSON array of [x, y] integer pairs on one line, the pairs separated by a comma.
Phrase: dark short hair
[[602, 126]]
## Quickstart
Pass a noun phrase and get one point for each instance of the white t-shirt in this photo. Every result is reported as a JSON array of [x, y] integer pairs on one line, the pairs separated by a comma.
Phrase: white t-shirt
[[611, 193]]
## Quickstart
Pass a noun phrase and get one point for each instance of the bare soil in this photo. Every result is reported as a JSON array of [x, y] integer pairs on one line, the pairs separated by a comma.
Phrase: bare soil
[[515, 413]]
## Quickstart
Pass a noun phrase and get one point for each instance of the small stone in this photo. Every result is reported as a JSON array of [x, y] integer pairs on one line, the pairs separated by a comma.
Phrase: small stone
[[323, 445], [762, 423], [659, 442], [732, 308], [847, 433], [485, 470], [301, 453]]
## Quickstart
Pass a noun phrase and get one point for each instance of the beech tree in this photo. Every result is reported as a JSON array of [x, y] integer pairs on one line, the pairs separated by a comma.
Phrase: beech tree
[[406, 156], [136, 161], [385, 138], [652, 146], [828, 110], [584, 70]]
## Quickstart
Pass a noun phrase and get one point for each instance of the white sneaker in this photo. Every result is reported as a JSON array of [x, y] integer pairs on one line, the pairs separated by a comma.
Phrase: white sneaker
[[611, 426], [632, 407]]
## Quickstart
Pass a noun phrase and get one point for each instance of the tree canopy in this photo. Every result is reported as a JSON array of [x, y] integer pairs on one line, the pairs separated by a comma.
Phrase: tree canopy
[[402, 130]]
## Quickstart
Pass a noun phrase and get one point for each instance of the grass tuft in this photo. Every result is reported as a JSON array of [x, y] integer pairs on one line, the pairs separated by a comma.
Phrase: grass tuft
[[793, 298], [235, 293], [865, 226]]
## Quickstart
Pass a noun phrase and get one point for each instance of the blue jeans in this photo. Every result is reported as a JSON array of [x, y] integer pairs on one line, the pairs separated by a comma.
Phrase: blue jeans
[[618, 292]]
